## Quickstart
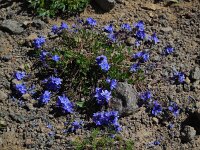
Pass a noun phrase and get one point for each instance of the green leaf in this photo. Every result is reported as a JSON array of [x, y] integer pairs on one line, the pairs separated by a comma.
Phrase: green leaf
[[80, 104]]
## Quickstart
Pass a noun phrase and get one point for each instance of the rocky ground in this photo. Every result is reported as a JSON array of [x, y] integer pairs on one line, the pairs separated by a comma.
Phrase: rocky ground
[[25, 126]]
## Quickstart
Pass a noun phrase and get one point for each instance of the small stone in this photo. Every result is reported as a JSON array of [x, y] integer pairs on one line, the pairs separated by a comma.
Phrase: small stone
[[130, 41], [3, 123], [3, 96], [125, 101], [26, 97], [195, 73], [30, 106], [166, 29], [187, 80], [14, 82], [11, 26], [149, 6], [39, 24], [106, 5], [188, 133], [155, 120]]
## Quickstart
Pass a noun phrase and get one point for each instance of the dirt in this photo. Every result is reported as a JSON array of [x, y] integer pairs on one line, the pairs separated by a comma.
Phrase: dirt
[[177, 24]]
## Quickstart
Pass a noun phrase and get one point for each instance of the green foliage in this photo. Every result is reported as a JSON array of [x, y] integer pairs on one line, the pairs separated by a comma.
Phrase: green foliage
[[52, 7], [100, 141], [78, 52]]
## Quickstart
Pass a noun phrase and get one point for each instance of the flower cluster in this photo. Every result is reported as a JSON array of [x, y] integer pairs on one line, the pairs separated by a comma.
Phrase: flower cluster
[[75, 125], [157, 108], [109, 118], [112, 82], [102, 96], [64, 103], [168, 50], [179, 77], [174, 109], [145, 96], [45, 97], [103, 62], [19, 75], [53, 83], [90, 21], [38, 42], [142, 56], [21, 88], [109, 28], [55, 29]]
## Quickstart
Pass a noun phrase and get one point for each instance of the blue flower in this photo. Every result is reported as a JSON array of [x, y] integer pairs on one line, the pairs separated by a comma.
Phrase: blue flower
[[53, 83], [112, 82], [56, 58], [102, 96], [103, 62], [63, 26], [168, 50], [154, 38], [21, 88], [137, 43], [180, 77], [140, 35], [126, 26], [146, 96], [157, 109], [75, 125], [45, 97], [109, 118], [138, 55], [38, 42], [64, 103], [174, 109], [145, 57], [139, 25], [109, 28], [19, 75], [135, 67], [112, 37], [54, 29], [90, 21], [43, 55]]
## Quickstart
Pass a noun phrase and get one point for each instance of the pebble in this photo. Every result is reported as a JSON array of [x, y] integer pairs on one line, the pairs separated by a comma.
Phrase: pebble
[[188, 133], [166, 29], [195, 73], [3, 96]]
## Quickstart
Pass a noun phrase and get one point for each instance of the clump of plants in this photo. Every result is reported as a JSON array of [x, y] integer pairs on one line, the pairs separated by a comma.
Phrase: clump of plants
[[79, 66], [97, 140], [53, 7]]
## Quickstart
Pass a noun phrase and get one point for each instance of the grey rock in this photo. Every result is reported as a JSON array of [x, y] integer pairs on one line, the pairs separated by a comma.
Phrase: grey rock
[[39, 24], [188, 133], [130, 41], [26, 97], [195, 73], [106, 4], [3, 96], [11, 26], [166, 29], [6, 57], [125, 101]]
